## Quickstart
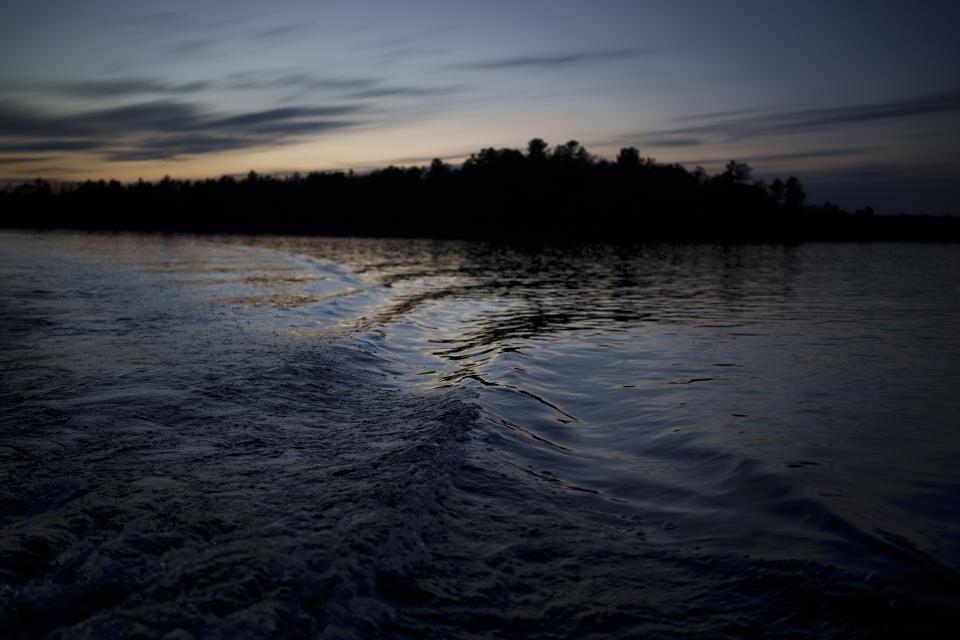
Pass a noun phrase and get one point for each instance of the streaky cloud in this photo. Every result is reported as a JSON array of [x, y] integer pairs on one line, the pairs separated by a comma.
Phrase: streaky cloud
[[281, 31], [354, 88], [166, 148], [820, 153], [403, 92], [164, 128], [842, 152], [163, 116], [736, 127], [158, 19], [674, 142], [25, 159], [360, 87], [258, 119], [176, 146], [160, 115], [45, 170], [557, 60], [111, 88], [257, 81], [711, 115], [192, 47], [813, 118], [49, 145], [18, 121], [428, 159]]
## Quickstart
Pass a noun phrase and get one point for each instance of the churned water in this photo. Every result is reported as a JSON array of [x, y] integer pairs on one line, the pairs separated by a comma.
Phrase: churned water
[[368, 438]]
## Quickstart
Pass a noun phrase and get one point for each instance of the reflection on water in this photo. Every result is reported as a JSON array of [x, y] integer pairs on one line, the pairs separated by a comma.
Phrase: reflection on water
[[834, 364], [797, 404]]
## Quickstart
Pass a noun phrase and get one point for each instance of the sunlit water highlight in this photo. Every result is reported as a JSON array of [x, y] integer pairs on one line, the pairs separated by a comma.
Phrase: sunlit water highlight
[[364, 437]]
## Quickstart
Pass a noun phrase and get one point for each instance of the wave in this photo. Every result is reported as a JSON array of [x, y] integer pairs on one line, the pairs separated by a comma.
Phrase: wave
[[219, 458]]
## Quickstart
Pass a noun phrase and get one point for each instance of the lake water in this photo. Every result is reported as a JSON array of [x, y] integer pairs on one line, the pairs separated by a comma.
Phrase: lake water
[[355, 438]]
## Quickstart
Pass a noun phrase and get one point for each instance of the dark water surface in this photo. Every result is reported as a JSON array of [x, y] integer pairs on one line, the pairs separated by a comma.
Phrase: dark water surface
[[363, 438]]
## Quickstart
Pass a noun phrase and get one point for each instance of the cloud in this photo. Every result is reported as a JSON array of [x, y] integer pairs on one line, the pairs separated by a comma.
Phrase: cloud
[[711, 115], [172, 126], [267, 81], [19, 121], [426, 159], [821, 118], [842, 152], [192, 47], [403, 92], [268, 121], [819, 153], [163, 116], [110, 88], [170, 147], [158, 19], [282, 31], [164, 128], [260, 80], [557, 60], [49, 145], [354, 88], [36, 171], [737, 126], [25, 159], [166, 148], [674, 142]]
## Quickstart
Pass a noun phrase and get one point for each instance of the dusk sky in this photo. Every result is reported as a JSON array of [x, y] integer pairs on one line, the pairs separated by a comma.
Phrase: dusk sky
[[859, 99]]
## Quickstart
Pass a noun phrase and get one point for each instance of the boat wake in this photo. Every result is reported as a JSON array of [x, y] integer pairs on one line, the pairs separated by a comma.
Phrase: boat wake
[[189, 450]]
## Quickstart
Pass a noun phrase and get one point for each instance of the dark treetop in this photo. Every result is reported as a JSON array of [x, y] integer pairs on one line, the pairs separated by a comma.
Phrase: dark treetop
[[559, 194]]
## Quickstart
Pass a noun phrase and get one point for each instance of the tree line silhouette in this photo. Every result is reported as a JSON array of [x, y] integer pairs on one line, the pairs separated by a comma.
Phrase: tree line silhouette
[[558, 194]]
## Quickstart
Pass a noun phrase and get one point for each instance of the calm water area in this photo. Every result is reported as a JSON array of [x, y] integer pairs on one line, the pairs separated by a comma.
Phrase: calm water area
[[343, 437]]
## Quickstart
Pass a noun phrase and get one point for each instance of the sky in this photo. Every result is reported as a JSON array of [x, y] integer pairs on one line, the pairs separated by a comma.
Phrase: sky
[[859, 99]]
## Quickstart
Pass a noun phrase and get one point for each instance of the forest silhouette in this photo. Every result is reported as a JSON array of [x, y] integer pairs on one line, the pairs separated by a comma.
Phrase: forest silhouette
[[561, 194]]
